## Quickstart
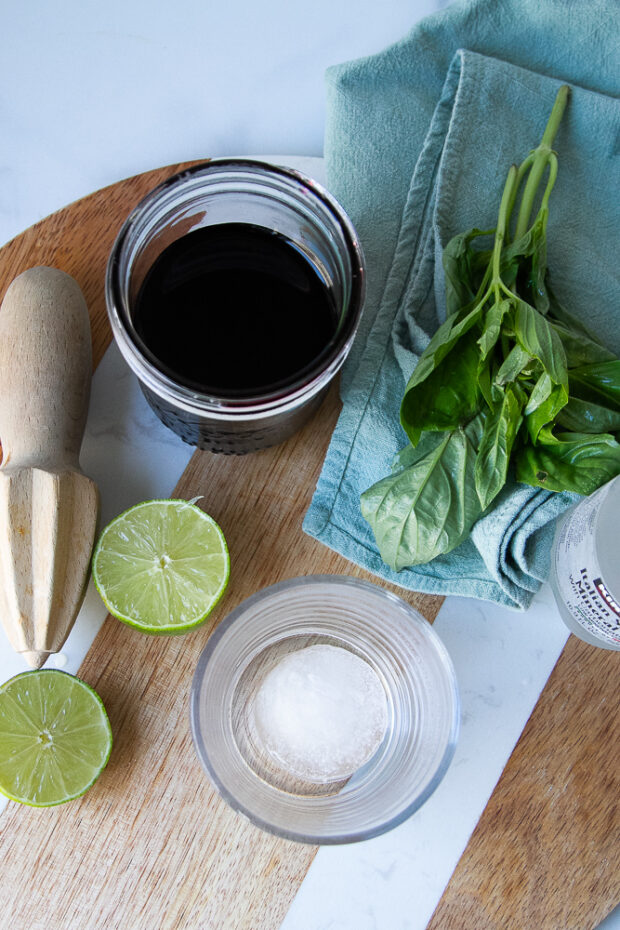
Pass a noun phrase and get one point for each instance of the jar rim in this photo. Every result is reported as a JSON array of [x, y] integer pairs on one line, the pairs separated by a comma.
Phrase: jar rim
[[285, 394]]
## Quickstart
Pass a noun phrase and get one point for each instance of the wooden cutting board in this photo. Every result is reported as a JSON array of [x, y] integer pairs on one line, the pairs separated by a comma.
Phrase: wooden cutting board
[[152, 846]]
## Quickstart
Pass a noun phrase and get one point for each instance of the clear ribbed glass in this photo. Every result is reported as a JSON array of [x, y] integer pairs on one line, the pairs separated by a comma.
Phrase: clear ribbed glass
[[225, 191], [410, 661]]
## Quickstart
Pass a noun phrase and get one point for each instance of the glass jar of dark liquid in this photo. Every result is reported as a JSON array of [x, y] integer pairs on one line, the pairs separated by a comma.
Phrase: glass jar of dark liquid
[[234, 291]]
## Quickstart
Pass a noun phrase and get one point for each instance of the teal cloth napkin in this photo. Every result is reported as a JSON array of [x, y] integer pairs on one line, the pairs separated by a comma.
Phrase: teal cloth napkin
[[419, 139]]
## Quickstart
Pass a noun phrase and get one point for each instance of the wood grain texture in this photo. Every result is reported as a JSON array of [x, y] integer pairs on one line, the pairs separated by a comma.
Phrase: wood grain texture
[[48, 508], [78, 240], [545, 852], [45, 370], [48, 521], [151, 845], [152, 826]]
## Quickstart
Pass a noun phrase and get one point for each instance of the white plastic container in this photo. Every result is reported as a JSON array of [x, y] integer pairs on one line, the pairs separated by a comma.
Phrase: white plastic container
[[585, 567]]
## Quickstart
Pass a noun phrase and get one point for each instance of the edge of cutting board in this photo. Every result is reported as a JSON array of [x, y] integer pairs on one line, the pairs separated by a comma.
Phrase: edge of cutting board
[[136, 849], [152, 844]]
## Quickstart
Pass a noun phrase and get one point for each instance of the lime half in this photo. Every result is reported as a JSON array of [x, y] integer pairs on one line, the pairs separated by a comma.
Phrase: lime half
[[161, 566], [55, 737]]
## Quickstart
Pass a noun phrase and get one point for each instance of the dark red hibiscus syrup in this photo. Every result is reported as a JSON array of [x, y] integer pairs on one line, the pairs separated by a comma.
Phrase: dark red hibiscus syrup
[[234, 309]]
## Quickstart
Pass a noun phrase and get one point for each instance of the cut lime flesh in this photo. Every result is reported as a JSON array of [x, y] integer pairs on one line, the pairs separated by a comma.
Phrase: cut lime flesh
[[55, 737], [161, 566]]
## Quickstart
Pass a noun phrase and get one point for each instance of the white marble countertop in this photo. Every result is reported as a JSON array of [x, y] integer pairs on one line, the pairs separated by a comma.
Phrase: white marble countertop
[[92, 93]]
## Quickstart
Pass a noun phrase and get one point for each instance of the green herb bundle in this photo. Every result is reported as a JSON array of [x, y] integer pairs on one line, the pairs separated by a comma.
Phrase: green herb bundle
[[509, 380]]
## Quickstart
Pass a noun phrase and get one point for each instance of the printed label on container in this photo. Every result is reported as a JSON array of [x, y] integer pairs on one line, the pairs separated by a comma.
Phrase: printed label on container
[[578, 574]]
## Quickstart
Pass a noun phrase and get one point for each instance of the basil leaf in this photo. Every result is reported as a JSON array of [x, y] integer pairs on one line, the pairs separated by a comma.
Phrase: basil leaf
[[464, 269], [541, 392], [485, 381], [500, 430], [427, 508], [442, 342], [584, 416], [515, 362], [538, 337], [538, 265], [503, 365], [546, 412], [526, 264], [569, 462], [493, 326], [407, 456], [598, 382], [448, 397], [579, 348]]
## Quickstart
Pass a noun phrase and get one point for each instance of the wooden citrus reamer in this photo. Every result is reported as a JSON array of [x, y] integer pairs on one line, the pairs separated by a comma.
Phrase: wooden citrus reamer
[[48, 508]]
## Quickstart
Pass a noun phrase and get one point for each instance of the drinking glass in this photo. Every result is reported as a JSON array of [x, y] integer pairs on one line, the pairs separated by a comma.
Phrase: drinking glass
[[410, 662]]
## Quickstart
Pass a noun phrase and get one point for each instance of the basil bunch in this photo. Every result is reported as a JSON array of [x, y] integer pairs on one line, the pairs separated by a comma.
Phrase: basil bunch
[[509, 379]]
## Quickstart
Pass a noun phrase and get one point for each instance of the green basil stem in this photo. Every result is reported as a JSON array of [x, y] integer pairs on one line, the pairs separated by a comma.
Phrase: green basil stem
[[540, 161], [553, 173], [523, 169], [501, 231]]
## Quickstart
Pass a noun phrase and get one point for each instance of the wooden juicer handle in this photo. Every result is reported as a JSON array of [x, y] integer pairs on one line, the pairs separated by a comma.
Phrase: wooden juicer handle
[[48, 508]]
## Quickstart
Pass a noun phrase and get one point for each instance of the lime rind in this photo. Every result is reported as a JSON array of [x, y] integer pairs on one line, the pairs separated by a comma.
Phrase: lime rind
[[158, 560], [77, 732]]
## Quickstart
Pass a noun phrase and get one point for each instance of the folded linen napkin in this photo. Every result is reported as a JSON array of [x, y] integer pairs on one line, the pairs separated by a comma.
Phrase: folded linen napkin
[[418, 143]]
